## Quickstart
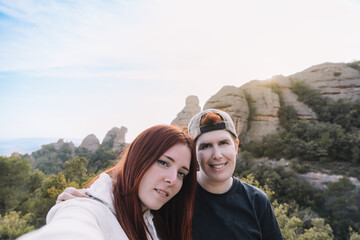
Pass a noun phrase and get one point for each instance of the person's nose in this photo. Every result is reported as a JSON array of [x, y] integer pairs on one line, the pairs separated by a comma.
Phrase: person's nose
[[217, 155], [171, 177]]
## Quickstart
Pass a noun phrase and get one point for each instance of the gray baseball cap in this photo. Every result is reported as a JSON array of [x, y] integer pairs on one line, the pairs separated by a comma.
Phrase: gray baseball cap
[[195, 130]]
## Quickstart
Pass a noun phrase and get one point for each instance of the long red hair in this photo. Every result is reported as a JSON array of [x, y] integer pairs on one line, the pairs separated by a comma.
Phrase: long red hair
[[174, 219]]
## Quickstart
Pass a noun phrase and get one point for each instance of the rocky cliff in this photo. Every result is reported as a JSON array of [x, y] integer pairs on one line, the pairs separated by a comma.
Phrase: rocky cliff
[[191, 108], [91, 143], [118, 135], [254, 105], [334, 80]]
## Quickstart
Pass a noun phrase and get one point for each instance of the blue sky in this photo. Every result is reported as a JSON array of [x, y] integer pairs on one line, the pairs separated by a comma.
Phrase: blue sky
[[71, 68]]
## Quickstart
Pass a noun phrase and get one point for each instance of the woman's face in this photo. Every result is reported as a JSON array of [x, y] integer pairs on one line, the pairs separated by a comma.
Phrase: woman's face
[[164, 179]]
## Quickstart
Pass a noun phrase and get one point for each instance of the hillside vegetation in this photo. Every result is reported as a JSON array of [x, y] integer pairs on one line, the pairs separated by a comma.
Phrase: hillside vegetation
[[324, 144]]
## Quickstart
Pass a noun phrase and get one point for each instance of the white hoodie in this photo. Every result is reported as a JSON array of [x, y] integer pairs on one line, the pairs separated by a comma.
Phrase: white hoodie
[[87, 218]]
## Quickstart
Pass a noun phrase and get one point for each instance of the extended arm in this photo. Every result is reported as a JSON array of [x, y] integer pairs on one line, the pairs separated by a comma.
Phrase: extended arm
[[75, 219]]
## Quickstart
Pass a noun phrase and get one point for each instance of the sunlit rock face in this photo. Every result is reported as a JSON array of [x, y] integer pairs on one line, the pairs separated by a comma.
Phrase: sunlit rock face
[[264, 105], [333, 80], [233, 101], [254, 106], [289, 98]]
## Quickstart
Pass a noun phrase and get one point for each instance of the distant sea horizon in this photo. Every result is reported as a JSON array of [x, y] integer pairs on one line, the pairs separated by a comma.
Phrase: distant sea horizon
[[29, 145]]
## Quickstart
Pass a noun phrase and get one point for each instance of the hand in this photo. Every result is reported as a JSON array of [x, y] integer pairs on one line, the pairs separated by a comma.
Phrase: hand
[[70, 193]]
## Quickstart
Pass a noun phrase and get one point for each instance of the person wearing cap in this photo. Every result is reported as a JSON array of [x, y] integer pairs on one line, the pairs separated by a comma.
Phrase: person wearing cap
[[225, 207]]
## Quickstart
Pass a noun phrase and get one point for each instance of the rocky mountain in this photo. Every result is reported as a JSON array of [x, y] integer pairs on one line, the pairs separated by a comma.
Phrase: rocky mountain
[[191, 108], [334, 80], [50, 158], [91, 143], [254, 105], [116, 134]]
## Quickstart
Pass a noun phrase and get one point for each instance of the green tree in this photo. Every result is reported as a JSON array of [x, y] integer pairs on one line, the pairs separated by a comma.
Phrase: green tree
[[44, 197], [76, 170], [51, 161], [12, 225], [104, 157], [319, 231], [292, 227], [354, 235], [33, 186], [287, 116], [342, 204], [14, 172]]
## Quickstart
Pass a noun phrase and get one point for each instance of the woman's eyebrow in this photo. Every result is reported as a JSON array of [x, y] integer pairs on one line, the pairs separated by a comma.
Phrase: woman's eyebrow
[[171, 159]]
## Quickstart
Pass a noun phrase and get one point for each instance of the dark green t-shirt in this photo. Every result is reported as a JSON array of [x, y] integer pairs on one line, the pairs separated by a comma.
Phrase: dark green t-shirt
[[243, 212]]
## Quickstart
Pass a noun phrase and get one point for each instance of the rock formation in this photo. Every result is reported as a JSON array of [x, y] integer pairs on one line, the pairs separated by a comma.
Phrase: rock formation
[[60, 143], [334, 80], [233, 101], [264, 105], [320, 180], [290, 99], [191, 108], [118, 134], [15, 154], [256, 102], [91, 143]]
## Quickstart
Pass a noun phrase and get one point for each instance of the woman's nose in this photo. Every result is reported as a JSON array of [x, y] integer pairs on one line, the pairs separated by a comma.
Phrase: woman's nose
[[171, 177]]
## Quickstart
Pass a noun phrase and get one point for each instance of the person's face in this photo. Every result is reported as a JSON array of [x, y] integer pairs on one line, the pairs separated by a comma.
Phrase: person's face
[[216, 154], [164, 179]]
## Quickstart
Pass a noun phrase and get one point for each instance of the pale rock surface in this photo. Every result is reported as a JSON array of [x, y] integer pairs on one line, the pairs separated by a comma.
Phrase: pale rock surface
[[60, 143], [319, 180], [290, 99], [91, 143], [316, 179], [333, 80], [191, 108], [265, 104], [118, 134], [233, 101], [15, 154]]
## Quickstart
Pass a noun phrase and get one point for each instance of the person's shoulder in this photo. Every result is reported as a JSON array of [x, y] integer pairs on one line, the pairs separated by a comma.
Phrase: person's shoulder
[[75, 203], [78, 206], [251, 190]]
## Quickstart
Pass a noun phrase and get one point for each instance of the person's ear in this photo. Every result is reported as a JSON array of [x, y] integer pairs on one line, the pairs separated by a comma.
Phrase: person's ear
[[237, 148]]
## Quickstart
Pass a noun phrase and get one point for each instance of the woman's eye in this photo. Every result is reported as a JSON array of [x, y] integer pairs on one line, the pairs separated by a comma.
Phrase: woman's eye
[[182, 174], [162, 162]]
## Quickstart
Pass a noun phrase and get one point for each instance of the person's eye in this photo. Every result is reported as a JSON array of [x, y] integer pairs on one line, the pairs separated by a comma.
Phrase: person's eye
[[162, 162], [224, 142], [182, 174], [205, 146]]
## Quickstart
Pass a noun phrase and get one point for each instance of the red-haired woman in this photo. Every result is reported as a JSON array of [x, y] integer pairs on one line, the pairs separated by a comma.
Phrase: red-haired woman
[[149, 194]]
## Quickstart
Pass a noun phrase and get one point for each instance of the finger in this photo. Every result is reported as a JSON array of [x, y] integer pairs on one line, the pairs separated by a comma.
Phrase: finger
[[64, 196], [76, 192]]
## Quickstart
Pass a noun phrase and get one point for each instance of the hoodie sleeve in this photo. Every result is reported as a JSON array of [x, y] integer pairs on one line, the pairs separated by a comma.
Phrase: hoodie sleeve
[[72, 219]]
